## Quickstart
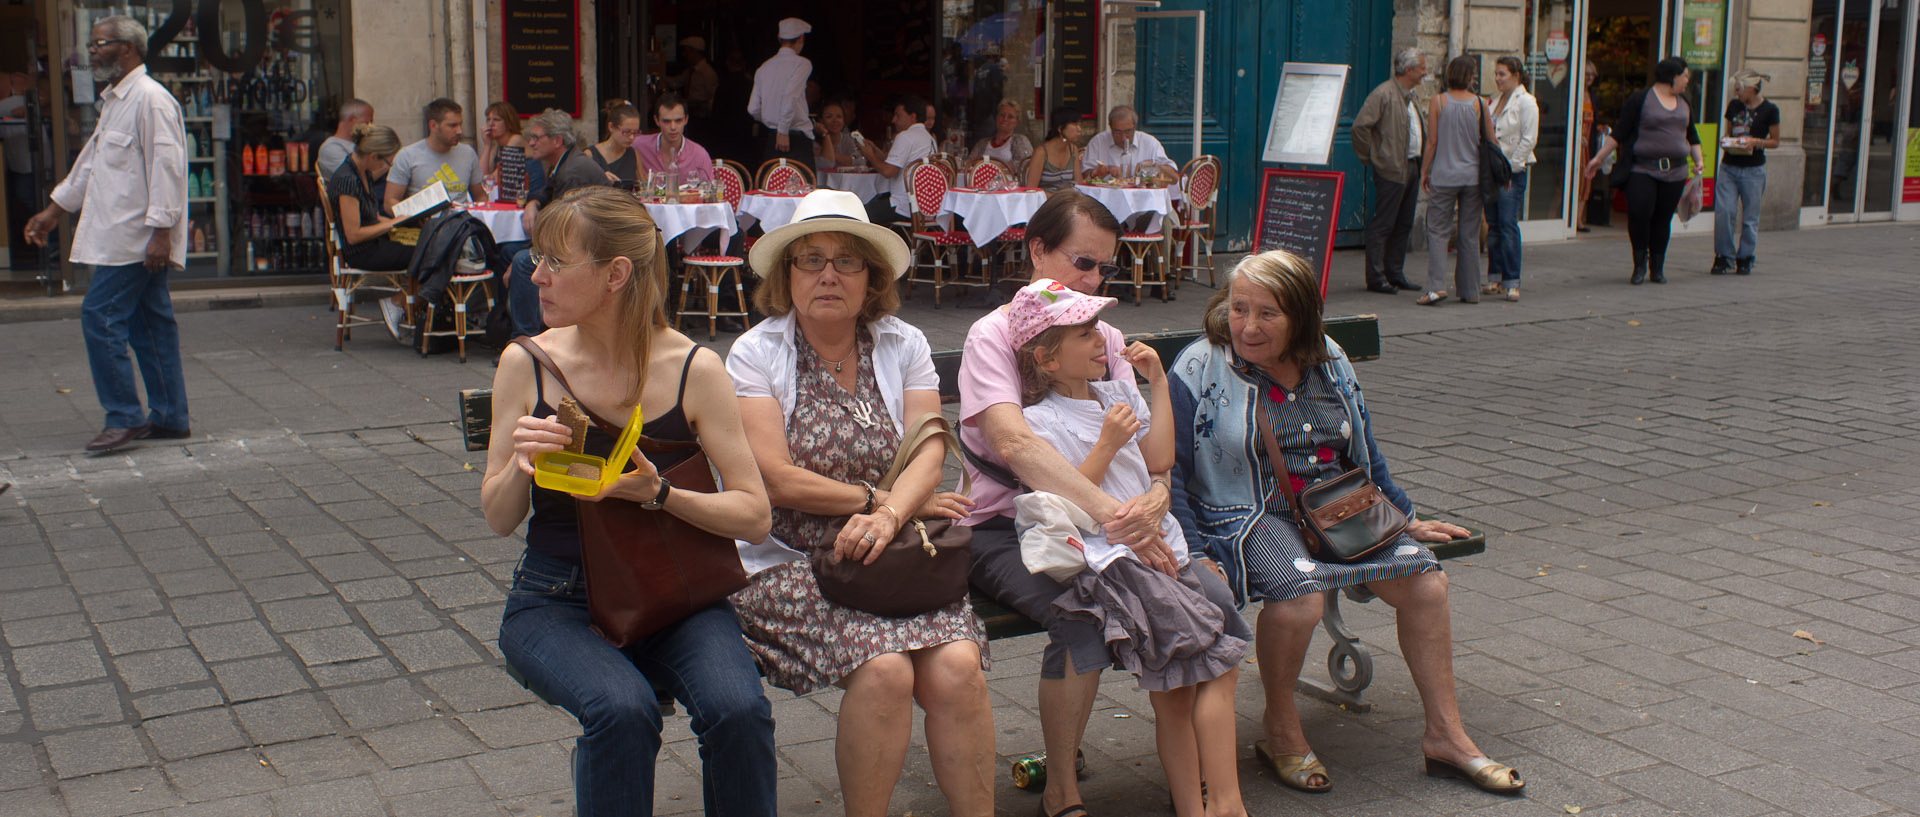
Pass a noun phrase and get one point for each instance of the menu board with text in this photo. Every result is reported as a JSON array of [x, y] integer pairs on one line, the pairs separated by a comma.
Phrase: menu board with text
[[1298, 211], [1306, 113], [540, 55]]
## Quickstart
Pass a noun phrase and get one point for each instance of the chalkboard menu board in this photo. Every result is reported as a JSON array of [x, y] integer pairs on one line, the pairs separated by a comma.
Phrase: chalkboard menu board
[[1298, 211], [1076, 31], [540, 55]]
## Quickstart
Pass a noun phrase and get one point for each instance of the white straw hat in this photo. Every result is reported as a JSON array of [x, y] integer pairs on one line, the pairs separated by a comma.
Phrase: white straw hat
[[828, 211]]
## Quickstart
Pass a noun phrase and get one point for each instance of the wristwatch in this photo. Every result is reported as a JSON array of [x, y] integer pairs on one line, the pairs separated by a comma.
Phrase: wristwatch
[[658, 499]]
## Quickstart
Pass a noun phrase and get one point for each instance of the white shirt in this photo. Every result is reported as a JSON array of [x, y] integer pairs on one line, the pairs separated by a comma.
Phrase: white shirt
[[911, 145], [1073, 426], [1143, 148], [764, 362], [1413, 130], [1517, 128], [779, 98], [131, 178]]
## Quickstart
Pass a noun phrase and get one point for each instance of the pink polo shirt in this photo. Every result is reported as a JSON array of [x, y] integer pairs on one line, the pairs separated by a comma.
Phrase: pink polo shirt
[[693, 163], [988, 376]]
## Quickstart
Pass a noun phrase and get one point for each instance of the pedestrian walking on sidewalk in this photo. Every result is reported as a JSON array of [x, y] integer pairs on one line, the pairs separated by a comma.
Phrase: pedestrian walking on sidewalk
[[1388, 136], [130, 188], [1450, 173], [1516, 127], [1753, 125], [1659, 152]]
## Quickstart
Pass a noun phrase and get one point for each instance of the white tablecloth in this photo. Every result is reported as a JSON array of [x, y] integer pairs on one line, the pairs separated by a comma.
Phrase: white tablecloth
[[989, 214], [503, 222], [1127, 202], [771, 212], [692, 222], [868, 186]]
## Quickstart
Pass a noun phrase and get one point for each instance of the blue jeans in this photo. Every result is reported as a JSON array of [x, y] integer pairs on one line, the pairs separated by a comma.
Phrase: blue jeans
[[703, 660], [129, 305], [1737, 188], [523, 297], [1503, 232]]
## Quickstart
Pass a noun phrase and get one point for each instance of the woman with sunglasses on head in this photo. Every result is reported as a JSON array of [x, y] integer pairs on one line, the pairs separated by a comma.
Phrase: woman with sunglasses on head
[[828, 385], [601, 270]]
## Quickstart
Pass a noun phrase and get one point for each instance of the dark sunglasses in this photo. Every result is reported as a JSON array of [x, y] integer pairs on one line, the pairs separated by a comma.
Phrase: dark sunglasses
[[1085, 264]]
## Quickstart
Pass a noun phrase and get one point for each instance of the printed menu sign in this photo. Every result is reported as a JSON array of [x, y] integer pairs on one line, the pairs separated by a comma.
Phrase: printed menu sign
[[540, 55], [1306, 113], [1298, 210], [1076, 53]]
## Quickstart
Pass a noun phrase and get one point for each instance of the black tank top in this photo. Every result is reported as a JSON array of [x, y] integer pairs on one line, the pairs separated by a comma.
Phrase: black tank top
[[554, 528]]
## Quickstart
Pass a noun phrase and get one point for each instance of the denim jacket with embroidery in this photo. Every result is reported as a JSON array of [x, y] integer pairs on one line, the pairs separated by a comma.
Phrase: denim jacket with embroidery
[[1219, 488]]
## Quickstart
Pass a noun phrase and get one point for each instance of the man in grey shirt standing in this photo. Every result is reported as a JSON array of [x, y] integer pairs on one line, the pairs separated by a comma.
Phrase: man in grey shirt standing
[[129, 186], [441, 157], [1388, 134]]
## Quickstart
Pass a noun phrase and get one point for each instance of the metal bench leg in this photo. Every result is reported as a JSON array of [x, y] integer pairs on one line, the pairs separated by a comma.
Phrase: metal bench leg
[[1349, 663]]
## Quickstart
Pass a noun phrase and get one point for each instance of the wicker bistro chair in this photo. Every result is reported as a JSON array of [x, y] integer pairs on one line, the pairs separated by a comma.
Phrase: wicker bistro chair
[[1144, 255], [470, 277], [985, 171], [1009, 246], [1193, 217], [733, 177], [778, 175], [927, 183], [348, 282]]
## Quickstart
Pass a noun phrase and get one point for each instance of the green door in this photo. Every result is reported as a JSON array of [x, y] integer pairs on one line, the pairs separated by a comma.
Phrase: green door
[[1247, 42]]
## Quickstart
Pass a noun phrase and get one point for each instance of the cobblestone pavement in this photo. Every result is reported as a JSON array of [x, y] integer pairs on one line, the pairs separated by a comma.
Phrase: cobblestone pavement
[[1699, 594]]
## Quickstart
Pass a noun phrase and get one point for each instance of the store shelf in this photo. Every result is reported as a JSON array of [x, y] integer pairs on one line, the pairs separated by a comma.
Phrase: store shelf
[[203, 255], [202, 199], [200, 159]]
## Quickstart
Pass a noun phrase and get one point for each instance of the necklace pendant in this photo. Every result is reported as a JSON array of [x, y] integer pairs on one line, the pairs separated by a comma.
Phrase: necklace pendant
[[836, 368]]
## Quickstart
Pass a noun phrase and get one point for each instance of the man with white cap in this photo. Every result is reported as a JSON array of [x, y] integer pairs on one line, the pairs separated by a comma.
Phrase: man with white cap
[[779, 98]]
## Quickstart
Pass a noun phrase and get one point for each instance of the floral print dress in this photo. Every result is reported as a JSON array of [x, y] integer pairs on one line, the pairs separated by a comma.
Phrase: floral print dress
[[803, 641]]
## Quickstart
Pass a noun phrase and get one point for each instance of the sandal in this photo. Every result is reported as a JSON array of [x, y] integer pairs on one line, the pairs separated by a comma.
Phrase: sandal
[[1482, 772], [1431, 298], [1491, 288], [1513, 294], [1296, 771], [1075, 810]]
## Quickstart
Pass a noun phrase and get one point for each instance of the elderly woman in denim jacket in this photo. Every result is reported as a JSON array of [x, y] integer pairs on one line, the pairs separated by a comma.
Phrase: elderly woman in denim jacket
[[1264, 346]]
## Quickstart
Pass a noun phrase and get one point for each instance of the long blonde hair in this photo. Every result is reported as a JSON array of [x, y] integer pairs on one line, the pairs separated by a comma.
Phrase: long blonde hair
[[605, 224]]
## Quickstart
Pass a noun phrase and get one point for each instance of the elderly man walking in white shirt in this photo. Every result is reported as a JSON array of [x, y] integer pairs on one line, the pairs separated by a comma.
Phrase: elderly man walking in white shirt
[[779, 98], [130, 187]]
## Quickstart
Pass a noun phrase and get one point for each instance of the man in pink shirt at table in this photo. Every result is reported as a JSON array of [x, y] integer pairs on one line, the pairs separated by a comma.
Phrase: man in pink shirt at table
[[670, 149]]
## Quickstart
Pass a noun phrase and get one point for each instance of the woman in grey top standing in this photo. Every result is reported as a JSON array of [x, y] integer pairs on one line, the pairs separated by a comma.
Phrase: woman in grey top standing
[[1659, 151], [1450, 173]]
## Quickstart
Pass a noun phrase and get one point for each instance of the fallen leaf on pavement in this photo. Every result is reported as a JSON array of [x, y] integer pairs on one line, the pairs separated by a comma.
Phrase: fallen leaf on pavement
[[1573, 809], [1633, 323], [1807, 635], [1819, 504], [64, 391]]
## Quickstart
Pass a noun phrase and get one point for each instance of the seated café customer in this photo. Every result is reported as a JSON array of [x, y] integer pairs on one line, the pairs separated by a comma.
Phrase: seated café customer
[[603, 275], [1265, 359], [562, 169], [1005, 145], [670, 149], [363, 220], [836, 148], [500, 131], [441, 157], [1056, 165], [615, 154], [911, 142], [827, 385], [353, 114], [1122, 149]]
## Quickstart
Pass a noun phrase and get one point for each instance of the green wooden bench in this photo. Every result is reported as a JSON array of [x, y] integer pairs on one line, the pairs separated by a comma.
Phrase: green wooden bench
[[1349, 663]]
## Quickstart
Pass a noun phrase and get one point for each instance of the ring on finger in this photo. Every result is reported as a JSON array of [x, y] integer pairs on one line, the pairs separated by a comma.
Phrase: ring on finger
[[867, 538]]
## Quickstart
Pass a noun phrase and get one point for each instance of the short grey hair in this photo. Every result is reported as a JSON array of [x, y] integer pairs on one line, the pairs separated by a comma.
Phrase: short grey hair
[[556, 122], [355, 107], [1122, 112], [127, 30], [1406, 60]]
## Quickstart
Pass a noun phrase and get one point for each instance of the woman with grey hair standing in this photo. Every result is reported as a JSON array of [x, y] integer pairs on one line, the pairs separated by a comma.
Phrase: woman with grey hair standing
[[1451, 176], [1753, 125]]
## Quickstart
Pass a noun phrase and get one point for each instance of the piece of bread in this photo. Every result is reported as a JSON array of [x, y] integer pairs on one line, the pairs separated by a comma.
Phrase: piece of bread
[[583, 470], [576, 421]]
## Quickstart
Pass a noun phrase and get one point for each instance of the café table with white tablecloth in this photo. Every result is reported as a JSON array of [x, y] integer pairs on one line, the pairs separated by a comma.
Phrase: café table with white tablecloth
[[502, 220], [1127, 202], [868, 185], [989, 214], [769, 210], [691, 223]]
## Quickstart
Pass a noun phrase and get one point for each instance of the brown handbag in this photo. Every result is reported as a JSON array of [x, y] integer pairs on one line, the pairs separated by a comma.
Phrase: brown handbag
[[923, 568], [647, 570], [1342, 520]]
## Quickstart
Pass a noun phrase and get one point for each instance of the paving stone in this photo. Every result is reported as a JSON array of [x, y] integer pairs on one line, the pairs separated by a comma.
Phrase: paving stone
[[426, 777], [181, 584], [397, 616], [214, 609], [31, 631], [42, 602], [163, 668], [62, 663], [135, 635], [456, 591], [392, 587], [221, 777], [324, 758], [305, 614], [347, 673], [174, 701], [420, 742], [473, 689], [286, 718], [432, 650], [240, 639], [255, 678], [332, 645], [92, 751], [62, 708], [111, 795], [523, 770], [334, 798], [455, 802], [279, 588], [377, 705], [520, 725], [193, 734]]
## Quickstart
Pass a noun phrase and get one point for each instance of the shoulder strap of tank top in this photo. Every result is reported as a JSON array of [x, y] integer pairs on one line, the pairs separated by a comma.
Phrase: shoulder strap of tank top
[[685, 367]]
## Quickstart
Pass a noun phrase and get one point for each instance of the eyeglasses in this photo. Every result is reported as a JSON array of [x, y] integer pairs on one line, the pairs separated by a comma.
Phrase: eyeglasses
[[845, 264], [1085, 264], [99, 44], [540, 259]]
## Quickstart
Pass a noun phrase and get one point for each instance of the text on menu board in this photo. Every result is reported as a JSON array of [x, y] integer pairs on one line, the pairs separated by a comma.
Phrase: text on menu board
[[1076, 49], [540, 55], [1297, 213]]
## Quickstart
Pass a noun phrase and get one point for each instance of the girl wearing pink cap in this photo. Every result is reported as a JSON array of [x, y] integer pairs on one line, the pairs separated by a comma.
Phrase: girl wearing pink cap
[[1183, 649]]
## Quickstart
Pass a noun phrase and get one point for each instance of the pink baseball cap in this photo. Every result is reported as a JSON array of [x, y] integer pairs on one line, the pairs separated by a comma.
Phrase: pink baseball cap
[[1047, 303]]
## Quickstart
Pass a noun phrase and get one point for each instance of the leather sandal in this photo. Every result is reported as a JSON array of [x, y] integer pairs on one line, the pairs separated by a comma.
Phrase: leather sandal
[[1431, 298], [1490, 288], [1485, 774], [1296, 771], [1075, 810]]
